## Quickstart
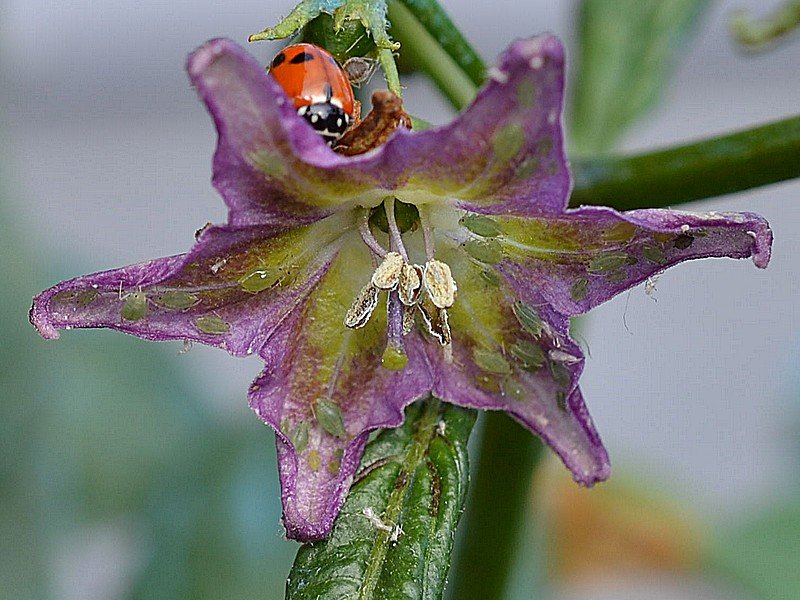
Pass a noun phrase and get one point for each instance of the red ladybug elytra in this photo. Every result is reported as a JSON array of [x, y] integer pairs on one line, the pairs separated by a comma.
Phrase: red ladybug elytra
[[318, 86]]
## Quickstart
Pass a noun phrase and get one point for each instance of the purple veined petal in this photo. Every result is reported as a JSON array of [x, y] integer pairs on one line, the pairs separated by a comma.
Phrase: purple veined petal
[[584, 257], [504, 154], [517, 358], [325, 387], [231, 291]]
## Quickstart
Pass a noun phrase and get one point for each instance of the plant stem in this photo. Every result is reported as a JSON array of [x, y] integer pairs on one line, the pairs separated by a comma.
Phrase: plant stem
[[422, 49], [496, 510], [437, 22], [722, 165]]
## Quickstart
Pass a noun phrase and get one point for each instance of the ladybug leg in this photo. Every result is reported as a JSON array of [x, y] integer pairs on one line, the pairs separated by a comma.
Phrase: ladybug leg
[[386, 116]]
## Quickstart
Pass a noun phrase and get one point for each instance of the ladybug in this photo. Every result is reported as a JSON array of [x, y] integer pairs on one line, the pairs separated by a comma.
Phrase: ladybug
[[318, 86]]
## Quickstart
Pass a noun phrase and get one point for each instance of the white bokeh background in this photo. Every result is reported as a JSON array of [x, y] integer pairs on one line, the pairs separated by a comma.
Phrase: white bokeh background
[[697, 391]]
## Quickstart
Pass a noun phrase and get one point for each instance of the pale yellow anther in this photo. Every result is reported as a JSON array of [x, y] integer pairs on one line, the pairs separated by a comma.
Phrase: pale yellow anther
[[410, 284], [362, 307], [439, 284], [387, 275]]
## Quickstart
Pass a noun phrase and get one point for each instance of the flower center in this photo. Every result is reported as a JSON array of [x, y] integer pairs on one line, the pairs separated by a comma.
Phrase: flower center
[[426, 289]]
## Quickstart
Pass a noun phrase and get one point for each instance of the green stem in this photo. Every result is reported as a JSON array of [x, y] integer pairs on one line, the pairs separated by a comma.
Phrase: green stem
[[496, 509], [386, 59], [426, 429], [438, 24], [722, 165], [423, 50]]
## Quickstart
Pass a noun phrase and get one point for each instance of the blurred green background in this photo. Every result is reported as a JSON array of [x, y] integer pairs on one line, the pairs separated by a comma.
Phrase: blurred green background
[[133, 470]]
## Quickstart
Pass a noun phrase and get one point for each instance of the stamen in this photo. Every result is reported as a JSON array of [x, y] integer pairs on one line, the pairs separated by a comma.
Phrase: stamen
[[427, 232], [394, 231], [369, 239]]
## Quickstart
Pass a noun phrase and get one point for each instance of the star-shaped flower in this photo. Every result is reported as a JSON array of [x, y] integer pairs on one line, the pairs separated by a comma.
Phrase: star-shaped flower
[[444, 262]]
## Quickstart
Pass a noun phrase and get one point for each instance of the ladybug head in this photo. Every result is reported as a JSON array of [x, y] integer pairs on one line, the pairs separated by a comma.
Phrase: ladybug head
[[329, 120]]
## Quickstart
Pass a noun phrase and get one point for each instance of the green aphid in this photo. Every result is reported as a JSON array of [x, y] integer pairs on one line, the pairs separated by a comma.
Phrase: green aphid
[[135, 307], [616, 277], [489, 251], [299, 437], [329, 416], [560, 374], [176, 299], [513, 390], [530, 355], [579, 289], [488, 383], [481, 225], [490, 277], [508, 141], [654, 254], [86, 297], [212, 324], [314, 460], [334, 466], [545, 146], [528, 318], [259, 280], [621, 232], [683, 241], [604, 263], [527, 167], [491, 361], [561, 401]]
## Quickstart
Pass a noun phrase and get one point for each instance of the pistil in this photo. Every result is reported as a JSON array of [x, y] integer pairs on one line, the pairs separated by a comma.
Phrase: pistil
[[395, 236]]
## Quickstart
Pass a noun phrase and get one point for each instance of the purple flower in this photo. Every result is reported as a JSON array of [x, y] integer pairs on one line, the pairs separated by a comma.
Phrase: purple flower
[[443, 262]]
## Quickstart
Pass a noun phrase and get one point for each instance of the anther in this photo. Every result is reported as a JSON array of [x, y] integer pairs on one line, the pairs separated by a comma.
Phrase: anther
[[388, 273], [439, 284], [362, 308]]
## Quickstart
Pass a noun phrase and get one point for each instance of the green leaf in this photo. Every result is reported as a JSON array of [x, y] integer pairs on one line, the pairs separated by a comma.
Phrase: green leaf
[[721, 165], [759, 34], [763, 554], [627, 50], [395, 533]]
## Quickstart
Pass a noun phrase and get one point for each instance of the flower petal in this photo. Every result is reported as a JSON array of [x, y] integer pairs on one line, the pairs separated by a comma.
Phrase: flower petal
[[518, 358], [504, 154], [230, 291], [324, 388], [582, 258]]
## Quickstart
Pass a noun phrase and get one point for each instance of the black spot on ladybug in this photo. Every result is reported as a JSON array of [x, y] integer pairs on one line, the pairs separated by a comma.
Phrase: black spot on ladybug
[[683, 241], [278, 60], [301, 58]]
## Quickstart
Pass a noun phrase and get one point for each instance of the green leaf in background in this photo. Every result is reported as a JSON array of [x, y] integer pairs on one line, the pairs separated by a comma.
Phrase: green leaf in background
[[713, 167], [763, 555], [627, 50], [395, 533], [756, 35]]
